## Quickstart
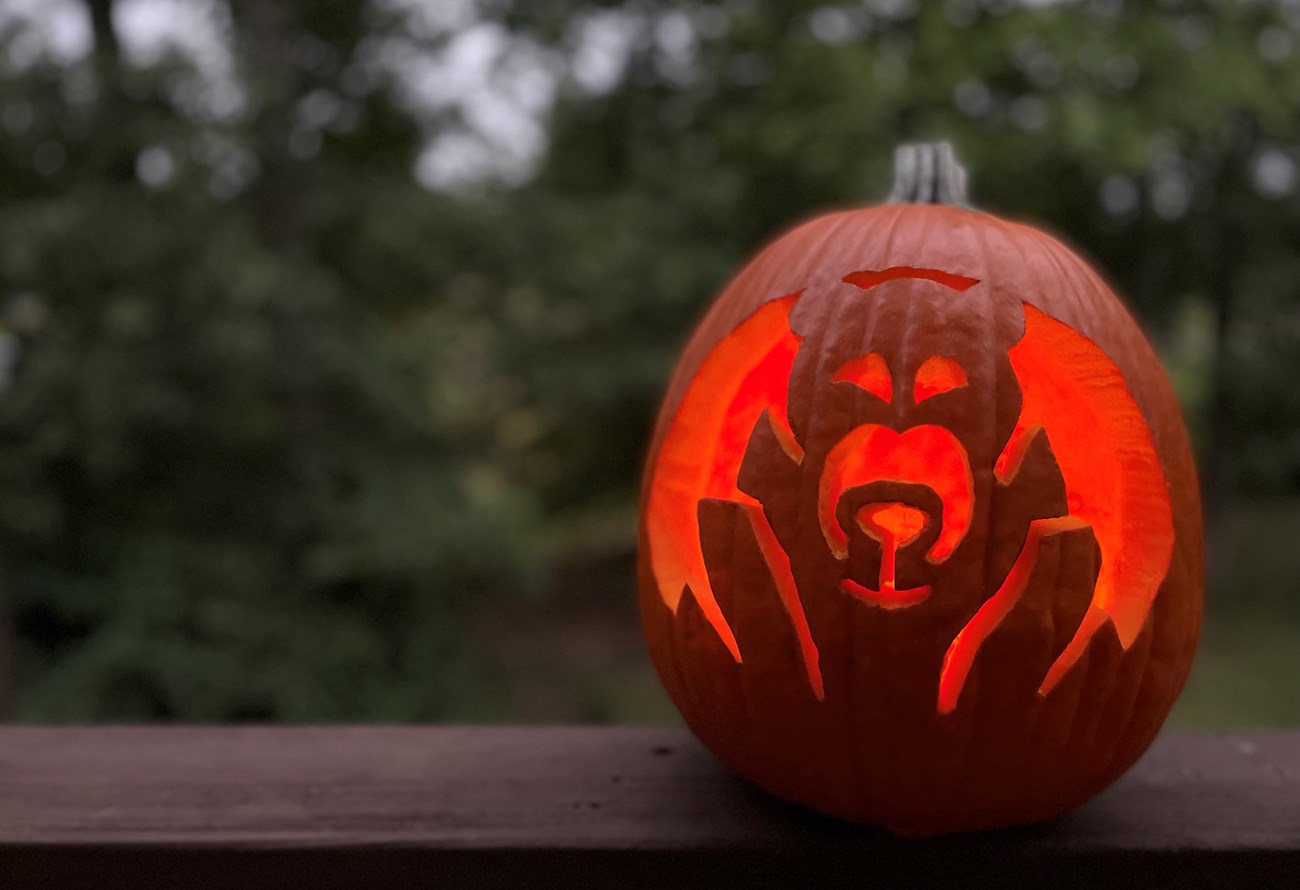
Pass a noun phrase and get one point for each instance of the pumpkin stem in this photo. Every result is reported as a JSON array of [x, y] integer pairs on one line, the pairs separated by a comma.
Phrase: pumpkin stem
[[928, 173]]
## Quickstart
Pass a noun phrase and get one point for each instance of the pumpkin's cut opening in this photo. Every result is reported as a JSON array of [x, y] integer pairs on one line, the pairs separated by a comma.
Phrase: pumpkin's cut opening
[[869, 278], [927, 455], [868, 372], [1075, 393], [961, 653], [895, 525], [747, 373], [936, 376]]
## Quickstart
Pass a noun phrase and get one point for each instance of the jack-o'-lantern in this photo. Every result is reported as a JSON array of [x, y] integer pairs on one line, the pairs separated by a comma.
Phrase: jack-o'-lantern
[[921, 538]]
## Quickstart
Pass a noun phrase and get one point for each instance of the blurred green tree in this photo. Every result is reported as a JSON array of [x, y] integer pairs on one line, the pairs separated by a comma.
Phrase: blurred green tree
[[224, 493]]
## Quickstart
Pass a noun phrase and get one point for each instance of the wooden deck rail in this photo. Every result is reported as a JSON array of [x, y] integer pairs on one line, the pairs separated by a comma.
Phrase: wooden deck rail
[[516, 807]]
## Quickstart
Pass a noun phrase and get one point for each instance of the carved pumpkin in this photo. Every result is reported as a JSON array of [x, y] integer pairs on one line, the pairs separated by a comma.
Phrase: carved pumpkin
[[921, 539]]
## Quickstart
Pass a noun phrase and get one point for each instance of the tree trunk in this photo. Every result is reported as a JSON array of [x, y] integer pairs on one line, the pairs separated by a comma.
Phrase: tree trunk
[[1222, 252], [101, 25], [265, 28]]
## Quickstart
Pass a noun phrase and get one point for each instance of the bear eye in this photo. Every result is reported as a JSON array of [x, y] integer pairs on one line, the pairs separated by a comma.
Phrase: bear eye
[[870, 373], [936, 376]]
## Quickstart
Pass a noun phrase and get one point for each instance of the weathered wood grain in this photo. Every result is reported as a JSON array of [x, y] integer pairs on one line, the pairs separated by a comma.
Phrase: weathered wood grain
[[581, 806]]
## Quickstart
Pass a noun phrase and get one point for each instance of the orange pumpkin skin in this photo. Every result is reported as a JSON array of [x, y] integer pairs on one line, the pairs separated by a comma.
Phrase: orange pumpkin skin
[[1000, 678]]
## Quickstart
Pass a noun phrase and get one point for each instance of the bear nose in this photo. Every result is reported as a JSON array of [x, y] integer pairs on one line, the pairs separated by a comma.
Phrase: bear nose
[[892, 523]]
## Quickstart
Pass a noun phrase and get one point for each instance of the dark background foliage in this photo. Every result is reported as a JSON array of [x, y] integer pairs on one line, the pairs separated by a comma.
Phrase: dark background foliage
[[331, 332]]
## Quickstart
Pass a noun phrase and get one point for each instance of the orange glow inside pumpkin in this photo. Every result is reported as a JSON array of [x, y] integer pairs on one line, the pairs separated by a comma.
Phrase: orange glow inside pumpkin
[[937, 375], [894, 525], [961, 653], [868, 372], [1070, 389], [746, 374], [929, 455], [783, 576]]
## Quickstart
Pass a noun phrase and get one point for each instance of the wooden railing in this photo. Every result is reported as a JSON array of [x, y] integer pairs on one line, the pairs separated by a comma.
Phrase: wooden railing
[[513, 807]]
